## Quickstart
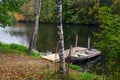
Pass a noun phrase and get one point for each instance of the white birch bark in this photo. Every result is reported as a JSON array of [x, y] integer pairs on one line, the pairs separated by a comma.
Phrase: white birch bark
[[60, 37]]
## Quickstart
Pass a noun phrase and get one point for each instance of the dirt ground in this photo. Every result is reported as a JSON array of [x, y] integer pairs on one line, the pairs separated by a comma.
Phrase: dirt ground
[[21, 67]]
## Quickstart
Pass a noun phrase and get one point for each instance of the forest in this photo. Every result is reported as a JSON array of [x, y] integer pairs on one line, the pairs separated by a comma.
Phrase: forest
[[102, 15], [74, 11]]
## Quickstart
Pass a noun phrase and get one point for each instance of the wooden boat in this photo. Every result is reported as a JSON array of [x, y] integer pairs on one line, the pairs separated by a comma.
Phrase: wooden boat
[[77, 53], [84, 54]]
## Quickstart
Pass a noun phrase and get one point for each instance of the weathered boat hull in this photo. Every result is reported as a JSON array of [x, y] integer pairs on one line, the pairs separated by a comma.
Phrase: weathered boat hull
[[77, 53]]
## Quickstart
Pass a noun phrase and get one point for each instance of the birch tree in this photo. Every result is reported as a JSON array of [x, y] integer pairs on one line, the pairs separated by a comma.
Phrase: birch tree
[[60, 36], [35, 30]]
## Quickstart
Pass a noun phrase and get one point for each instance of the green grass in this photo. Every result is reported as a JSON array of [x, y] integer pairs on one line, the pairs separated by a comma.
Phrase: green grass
[[19, 49], [74, 67], [85, 76], [72, 76]]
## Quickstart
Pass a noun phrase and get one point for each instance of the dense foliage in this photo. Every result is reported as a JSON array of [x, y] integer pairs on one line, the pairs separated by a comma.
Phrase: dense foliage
[[108, 41], [74, 11], [7, 7], [80, 12]]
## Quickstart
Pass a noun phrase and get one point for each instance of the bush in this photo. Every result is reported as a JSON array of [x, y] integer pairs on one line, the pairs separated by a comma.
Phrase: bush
[[108, 40]]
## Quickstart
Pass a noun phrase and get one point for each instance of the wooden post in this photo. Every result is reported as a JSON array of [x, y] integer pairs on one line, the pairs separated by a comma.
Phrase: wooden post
[[70, 52], [76, 40], [69, 59], [88, 42], [56, 64]]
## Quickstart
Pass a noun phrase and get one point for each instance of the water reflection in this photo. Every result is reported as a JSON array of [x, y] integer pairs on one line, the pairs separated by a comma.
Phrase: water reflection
[[10, 35], [20, 33], [47, 37]]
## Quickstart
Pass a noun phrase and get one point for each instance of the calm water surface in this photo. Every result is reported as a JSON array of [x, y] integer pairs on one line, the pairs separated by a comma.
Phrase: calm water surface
[[20, 33]]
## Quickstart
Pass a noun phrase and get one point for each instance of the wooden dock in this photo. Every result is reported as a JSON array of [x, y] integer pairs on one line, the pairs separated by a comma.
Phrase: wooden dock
[[77, 53]]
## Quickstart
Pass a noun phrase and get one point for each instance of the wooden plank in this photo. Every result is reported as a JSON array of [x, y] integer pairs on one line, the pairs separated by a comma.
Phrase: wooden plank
[[52, 57]]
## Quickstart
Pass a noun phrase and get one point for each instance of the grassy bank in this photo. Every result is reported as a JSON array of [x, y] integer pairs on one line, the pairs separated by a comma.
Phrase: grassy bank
[[19, 49], [16, 65]]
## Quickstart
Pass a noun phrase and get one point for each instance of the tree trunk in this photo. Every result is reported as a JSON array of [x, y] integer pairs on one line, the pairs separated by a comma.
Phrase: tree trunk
[[35, 30], [60, 37]]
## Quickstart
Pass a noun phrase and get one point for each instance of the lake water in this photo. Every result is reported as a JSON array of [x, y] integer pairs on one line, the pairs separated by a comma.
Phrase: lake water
[[20, 33]]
